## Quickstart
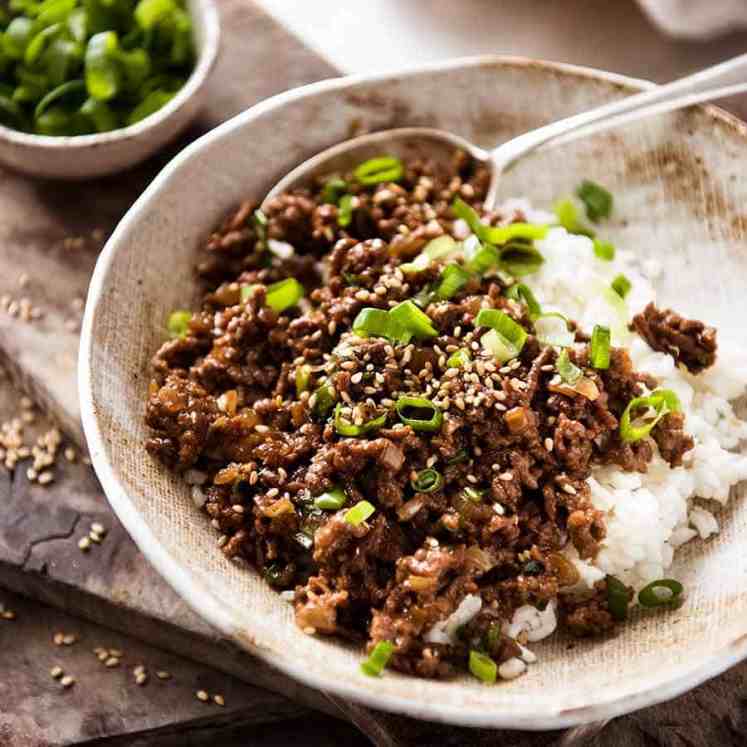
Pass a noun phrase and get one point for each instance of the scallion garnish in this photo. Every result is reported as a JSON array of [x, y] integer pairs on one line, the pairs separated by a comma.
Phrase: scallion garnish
[[567, 215], [650, 596], [324, 398], [331, 500], [568, 371], [597, 200], [359, 513], [303, 377], [520, 258], [410, 318], [259, 220], [520, 292], [178, 323], [419, 413], [618, 598], [459, 358], [505, 339], [333, 189], [284, 294], [621, 285], [437, 248], [372, 322], [460, 456], [553, 328], [474, 494], [381, 169], [453, 278], [483, 667], [600, 347], [427, 481], [496, 234], [345, 428], [378, 659], [479, 257], [655, 406], [604, 250], [345, 211]]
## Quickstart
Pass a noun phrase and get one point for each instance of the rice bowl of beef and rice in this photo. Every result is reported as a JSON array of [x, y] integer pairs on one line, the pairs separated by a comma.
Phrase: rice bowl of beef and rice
[[435, 459], [440, 431]]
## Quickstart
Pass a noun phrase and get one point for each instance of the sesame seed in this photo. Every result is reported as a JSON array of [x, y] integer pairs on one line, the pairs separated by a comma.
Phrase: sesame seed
[[506, 476], [98, 528], [272, 492], [45, 478], [56, 672], [8, 615], [67, 681], [202, 695], [141, 678], [162, 674], [223, 540], [237, 508], [112, 661], [102, 656], [95, 537], [57, 638], [309, 630], [31, 474], [139, 669], [219, 699], [69, 639], [261, 428], [472, 479], [569, 489], [116, 652], [84, 544], [357, 378], [549, 444]]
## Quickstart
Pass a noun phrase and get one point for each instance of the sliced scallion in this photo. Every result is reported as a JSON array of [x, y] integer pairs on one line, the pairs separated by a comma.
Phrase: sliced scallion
[[459, 358], [460, 456], [655, 406], [505, 339], [303, 377], [345, 211], [604, 250], [478, 256], [411, 319], [474, 494], [324, 398], [438, 248], [371, 322], [378, 659], [568, 371], [345, 428], [453, 278], [259, 221], [284, 294], [600, 347], [178, 323], [553, 328], [621, 285], [567, 215], [333, 189], [618, 598], [381, 169], [331, 500], [496, 234], [520, 258], [359, 513], [427, 481], [597, 200], [650, 596], [483, 667], [419, 413], [520, 292]]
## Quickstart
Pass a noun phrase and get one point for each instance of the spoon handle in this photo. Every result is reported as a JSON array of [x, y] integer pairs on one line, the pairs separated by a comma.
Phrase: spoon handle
[[724, 79]]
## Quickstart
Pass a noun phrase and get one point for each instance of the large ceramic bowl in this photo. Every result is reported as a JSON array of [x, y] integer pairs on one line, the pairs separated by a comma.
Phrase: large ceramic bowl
[[88, 156], [679, 193]]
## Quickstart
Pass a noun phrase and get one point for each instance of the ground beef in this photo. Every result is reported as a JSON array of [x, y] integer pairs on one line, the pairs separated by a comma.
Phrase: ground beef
[[256, 401], [688, 341]]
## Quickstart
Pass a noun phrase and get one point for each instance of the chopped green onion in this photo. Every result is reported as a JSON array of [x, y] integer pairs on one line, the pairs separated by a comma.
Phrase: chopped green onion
[[505, 339], [371, 322], [381, 169], [661, 401], [430, 422], [649, 596], [410, 318], [621, 285], [483, 667], [596, 199], [284, 294], [427, 481], [604, 250], [345, 428], [460, 456], [331, 500], [474, 494], [520, 258], [459, 358], [453, 279], [378, 659], [333, 190], [324, 398], [424, 296], [553, 328], [479, 257], [178, 323], [303, 378], [359, 513], [567, 215], [600, 347], [496, 234], [345, 211], [520, 292], [618, 598], [569, 372], [437, 248], [259, 221]]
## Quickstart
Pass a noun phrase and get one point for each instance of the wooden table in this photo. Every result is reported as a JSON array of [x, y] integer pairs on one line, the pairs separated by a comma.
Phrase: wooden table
[[112, 585]]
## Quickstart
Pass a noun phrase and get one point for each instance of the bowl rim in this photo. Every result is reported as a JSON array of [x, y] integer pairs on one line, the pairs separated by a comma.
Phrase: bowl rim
[[210, 22], [202, 601]]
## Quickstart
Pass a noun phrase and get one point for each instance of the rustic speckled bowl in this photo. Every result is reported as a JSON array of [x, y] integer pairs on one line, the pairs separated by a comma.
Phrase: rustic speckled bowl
[[679, 193], [89, 156]]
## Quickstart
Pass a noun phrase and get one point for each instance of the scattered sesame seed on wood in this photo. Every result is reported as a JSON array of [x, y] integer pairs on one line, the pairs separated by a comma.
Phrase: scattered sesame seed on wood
[[116, 652], [58, 639], [84, 544], [112, 661], [67, 681], [8, 615], [141, 679], [162, 674], [219, 699], [56, 672], [202, 695], [98, 528], [69, 639]]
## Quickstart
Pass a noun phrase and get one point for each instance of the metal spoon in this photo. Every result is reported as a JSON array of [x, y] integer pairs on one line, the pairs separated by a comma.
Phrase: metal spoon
[[725, 79]]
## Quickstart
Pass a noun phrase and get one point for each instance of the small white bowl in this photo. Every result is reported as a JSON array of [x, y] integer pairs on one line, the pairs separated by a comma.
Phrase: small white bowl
[[88, 156]]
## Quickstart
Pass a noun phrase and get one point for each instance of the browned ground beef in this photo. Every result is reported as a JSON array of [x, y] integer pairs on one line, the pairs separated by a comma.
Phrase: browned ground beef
[[515, 447], [688, 341]]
